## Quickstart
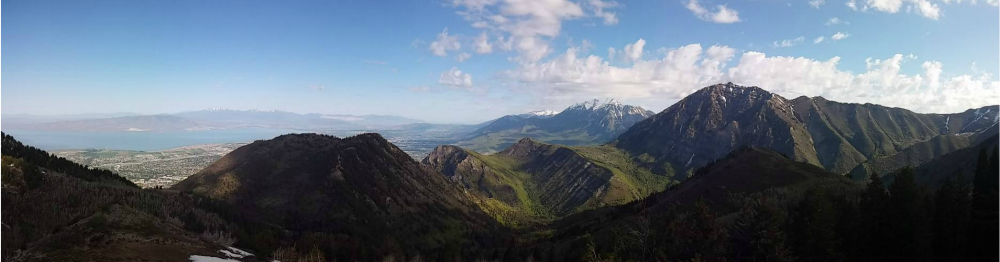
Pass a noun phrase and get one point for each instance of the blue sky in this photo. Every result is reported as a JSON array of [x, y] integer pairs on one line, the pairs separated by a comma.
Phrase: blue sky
[[428, 59]]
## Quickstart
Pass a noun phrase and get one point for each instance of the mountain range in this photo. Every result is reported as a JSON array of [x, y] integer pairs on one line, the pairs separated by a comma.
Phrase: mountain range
[[215, 118], [727, 173], [715, 120], [587, 123]]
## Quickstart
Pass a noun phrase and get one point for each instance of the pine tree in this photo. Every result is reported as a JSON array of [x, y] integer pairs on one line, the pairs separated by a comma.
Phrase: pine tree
[[951, 218], [874, 221], [813, 224], [983, 224], [907, 218]]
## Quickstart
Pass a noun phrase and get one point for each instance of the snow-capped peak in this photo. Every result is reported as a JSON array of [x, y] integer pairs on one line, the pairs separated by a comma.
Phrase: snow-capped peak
[[543, 112], [595, 104], [221, 109], [539, 113]]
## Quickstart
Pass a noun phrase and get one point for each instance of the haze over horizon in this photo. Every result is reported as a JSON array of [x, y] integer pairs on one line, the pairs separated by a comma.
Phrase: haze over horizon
[[466, 61]]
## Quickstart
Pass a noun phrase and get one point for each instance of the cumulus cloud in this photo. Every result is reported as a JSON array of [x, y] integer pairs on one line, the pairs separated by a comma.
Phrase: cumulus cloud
[[610, 18], [633, 52], [819, 40], [836, 21], [483, 45], [923, 7], [455, 78], [816, 3], [594, 76], [525, 25], [788, 42], [722, 14], [462, 57], [444, 43], [852, 4], [680, 71], [839, 35], [474, 4], [927, 9]]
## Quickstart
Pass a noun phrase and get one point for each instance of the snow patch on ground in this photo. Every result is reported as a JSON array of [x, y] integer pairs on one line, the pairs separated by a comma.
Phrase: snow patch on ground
[[238, 252], [197, 258]]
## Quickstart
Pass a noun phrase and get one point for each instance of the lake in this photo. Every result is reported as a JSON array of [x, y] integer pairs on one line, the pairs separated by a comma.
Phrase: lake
[[141, 141]]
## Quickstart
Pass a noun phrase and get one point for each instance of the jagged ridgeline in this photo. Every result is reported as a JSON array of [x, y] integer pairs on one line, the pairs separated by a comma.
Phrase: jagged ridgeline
[[531, 180], [587, 123], [839, 137]]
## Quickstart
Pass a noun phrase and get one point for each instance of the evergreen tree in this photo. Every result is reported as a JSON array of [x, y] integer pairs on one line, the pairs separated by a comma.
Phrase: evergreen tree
[[813, 223], [874, 222], [757, 233], [983, 224], [951, 217], [907, 219]]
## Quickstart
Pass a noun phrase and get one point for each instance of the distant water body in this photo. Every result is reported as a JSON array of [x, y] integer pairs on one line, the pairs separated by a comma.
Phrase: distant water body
[[141, 141]]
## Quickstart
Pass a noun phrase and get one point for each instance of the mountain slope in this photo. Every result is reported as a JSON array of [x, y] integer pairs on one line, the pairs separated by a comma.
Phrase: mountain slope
[[666, 217], [713, 121], [362, 186], [531, 179], [15, 149], [959, 164], [586, 123], [837, 136], [914, 155], [847, 134], [55, 213]]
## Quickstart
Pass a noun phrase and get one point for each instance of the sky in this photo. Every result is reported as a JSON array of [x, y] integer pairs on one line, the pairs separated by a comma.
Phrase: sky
[[466, 61]]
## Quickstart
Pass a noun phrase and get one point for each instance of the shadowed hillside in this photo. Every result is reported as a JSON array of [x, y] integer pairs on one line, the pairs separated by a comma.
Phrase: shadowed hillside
[[361, 187]]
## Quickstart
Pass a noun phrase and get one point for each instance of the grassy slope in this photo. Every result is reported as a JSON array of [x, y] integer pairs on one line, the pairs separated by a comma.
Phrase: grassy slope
[[528, 208], [629, 182]]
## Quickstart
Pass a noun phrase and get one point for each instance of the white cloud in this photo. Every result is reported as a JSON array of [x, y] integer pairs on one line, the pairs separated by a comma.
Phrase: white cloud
[[889, 6], [474, 4], [444, 43], [839, 35], [816, 3], [455, 78], [852, 4], [788, 42], [923, 7], [633, 52], [317, 87], [722, 15], [819, 40], [592, 76], [927, 9], [462, 57], [836, 21], [525, 25], [610, 18], [483, 45], [683, 70]]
